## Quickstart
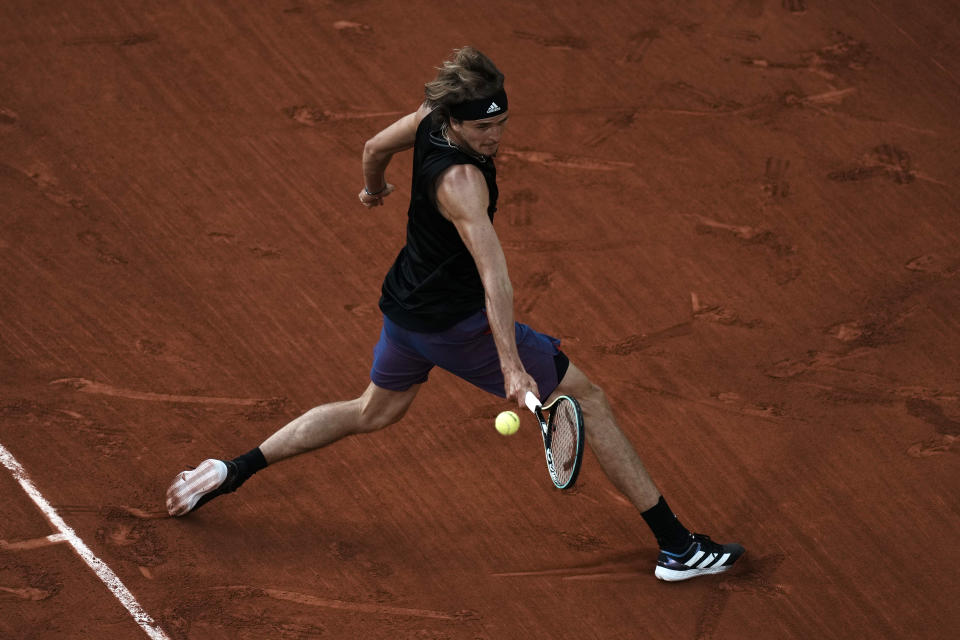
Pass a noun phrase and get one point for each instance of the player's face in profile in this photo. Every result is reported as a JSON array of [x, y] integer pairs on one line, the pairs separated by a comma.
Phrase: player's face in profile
[[481, 136]]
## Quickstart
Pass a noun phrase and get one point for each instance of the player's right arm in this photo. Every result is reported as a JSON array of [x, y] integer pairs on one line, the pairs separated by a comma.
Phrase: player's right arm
[[462, 198], [377, 152]]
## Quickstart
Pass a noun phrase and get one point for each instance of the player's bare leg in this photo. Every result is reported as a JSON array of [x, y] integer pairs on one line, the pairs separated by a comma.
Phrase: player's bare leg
[[616, 454], [319, 427], [683, 555], [323, 425]]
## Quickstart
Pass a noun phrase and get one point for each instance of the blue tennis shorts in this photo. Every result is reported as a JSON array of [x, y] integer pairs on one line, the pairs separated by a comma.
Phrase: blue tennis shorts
[[403, 358]]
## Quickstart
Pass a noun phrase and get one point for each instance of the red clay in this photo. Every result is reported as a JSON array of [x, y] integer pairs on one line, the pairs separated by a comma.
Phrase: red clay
[[741, 217]]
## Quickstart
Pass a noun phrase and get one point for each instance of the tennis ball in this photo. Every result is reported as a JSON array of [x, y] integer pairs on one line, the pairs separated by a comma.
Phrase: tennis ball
[[507, 423]]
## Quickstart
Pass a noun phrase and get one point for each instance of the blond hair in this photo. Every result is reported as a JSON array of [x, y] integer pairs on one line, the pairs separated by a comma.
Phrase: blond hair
[[467, 75]]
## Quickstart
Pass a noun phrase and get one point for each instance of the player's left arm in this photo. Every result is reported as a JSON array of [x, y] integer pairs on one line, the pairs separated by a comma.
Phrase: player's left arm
[[378, 150]]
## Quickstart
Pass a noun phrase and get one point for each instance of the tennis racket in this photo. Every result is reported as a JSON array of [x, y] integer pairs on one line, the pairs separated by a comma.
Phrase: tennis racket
[[561, 425]]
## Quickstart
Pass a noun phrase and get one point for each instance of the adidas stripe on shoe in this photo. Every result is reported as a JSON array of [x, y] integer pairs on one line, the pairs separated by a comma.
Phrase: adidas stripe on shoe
[[702, 557], [195, 487]]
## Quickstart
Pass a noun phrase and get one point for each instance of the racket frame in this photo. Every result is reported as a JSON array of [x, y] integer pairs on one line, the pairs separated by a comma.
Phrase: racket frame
[[533, 403]]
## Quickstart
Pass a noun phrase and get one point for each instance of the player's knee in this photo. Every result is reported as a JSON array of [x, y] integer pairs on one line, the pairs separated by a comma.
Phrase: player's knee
[[593, 396], [374, 418], [578, 385]]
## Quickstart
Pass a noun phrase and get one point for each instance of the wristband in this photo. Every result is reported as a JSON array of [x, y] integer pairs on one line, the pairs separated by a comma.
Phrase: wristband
[[369, 193]]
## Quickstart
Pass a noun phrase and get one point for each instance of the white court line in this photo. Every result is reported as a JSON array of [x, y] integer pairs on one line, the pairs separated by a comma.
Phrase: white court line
[[99, 567]]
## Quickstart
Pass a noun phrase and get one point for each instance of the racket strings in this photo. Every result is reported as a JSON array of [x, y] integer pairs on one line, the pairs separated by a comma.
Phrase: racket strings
[[564, 428]]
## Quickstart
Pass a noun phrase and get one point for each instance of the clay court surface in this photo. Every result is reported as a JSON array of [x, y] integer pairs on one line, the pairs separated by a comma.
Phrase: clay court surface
[[741, 217]]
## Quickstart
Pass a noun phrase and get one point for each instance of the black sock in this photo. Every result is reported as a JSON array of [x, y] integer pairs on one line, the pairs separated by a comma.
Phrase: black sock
[[671, 535], [248, 464]]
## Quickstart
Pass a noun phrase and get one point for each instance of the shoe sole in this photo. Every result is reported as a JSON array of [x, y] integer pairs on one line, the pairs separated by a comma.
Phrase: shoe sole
[[189, 486], [672, 575]]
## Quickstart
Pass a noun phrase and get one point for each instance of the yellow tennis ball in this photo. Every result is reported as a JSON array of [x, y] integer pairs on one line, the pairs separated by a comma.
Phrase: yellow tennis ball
[[507, 423]]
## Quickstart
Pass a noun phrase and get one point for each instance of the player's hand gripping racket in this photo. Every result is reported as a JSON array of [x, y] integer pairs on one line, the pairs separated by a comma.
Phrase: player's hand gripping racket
[[562, 431]]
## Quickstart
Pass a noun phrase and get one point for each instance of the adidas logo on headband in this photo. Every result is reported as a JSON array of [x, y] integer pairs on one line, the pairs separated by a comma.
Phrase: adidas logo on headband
[[480, 108]]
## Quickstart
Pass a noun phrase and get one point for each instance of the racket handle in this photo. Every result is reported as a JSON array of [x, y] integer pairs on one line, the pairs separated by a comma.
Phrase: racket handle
[[532, 402]]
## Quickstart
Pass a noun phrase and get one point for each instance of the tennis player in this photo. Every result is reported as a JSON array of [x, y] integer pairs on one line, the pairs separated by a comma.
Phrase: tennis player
[[447, 301]]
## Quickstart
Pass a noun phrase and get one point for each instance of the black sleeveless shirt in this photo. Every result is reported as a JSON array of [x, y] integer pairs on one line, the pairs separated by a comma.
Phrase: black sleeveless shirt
[[434, 282]]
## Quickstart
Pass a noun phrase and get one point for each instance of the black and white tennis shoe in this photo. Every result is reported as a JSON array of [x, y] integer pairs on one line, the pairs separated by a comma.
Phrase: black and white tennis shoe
[[702, 557], [193, 488]]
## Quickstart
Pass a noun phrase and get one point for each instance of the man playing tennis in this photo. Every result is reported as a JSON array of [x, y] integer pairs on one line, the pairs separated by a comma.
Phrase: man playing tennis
[[447, 301]]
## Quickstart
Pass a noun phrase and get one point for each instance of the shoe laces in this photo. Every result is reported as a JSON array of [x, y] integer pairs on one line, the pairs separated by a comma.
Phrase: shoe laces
[[705, 542]]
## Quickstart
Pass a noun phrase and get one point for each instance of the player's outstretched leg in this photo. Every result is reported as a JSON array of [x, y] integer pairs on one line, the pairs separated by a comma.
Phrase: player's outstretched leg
[[323, 425], [683, 555]]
